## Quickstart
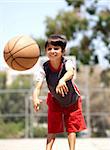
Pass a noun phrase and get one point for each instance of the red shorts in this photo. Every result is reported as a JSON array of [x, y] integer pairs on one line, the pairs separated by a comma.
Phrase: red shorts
[[70, 117]]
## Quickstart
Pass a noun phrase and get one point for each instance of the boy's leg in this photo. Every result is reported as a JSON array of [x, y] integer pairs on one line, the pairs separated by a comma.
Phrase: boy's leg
[[72, 140], [50, 141]]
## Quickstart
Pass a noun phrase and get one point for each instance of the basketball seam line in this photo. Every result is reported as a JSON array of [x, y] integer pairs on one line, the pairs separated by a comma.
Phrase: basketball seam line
[[10, 53], [13, 45], [19, 50], [20, 64], [12, 48], [26, 57]]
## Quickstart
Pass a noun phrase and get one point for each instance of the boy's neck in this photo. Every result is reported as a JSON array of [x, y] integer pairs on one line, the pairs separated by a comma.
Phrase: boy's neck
[[55, 64]]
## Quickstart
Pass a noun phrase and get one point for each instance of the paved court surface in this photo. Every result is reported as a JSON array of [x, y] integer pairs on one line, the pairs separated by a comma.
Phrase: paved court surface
[[60, 144]]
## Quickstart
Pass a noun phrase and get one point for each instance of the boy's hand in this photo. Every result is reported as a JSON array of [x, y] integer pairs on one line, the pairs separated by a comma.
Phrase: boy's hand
[[36, 104], [62, 88]]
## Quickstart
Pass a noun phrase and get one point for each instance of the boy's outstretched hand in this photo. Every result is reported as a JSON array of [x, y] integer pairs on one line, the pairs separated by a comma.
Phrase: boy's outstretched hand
[[62, 88], [36, 104]]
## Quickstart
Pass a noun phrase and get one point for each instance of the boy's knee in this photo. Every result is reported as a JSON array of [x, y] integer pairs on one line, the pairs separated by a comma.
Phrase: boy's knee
[[50, 137], [71, 134]]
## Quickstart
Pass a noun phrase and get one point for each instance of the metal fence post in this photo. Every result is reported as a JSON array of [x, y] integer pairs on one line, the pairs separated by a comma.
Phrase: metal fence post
[[87, 100], [26, 117]]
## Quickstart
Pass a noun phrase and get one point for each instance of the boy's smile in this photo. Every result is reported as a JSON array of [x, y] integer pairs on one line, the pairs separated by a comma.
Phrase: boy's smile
[[54, 52]]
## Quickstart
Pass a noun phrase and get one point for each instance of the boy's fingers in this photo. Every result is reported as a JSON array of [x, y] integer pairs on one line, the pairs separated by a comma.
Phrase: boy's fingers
[[36, 105], [40, 101], [65, 89], [56, 89], [62, 92], [36, 108]]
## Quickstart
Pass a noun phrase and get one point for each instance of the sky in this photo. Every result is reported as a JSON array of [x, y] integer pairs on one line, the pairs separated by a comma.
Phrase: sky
[[25, 17]]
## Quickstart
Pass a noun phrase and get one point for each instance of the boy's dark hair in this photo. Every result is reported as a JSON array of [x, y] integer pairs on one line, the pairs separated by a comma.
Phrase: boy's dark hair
[[57, 40]]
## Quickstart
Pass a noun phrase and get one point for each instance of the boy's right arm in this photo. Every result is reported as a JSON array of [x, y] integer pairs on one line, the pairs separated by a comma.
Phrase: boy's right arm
[[36, 93]]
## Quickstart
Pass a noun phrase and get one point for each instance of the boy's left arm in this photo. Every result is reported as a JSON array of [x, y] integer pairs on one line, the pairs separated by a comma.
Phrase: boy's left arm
[[62, 87]]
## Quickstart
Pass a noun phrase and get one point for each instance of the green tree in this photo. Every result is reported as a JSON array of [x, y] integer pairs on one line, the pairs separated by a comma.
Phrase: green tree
[[2, 80], [75, 3], [74, 23], [41, 43], [2, 86]]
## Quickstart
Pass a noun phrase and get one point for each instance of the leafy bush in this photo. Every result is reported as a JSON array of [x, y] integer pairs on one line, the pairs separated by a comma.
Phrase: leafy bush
[[40, 131], [11, 130]]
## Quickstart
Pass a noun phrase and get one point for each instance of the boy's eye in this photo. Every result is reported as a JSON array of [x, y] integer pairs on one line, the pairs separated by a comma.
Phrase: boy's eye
[[56, 48], [49, 49]]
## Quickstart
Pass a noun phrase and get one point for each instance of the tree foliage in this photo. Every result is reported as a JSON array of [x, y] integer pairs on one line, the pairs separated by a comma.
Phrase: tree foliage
[[75, 21], [2, 80], [41, 43], [75, 3], [67, 23]]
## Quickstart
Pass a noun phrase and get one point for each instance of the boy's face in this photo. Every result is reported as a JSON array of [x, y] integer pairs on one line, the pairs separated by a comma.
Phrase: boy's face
[[54, 52]]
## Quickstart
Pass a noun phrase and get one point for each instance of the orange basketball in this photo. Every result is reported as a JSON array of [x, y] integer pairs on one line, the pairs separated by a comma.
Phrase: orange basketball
[[21, 53]]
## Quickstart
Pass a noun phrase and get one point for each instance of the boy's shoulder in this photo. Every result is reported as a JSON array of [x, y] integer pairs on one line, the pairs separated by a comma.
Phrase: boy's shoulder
[[46, 63]]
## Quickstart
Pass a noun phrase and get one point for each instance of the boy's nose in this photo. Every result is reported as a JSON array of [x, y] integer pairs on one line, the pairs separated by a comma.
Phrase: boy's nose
[[52, 50]]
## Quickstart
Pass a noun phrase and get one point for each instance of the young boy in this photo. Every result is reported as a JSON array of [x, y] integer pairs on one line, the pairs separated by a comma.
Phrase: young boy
[[64, 100]]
